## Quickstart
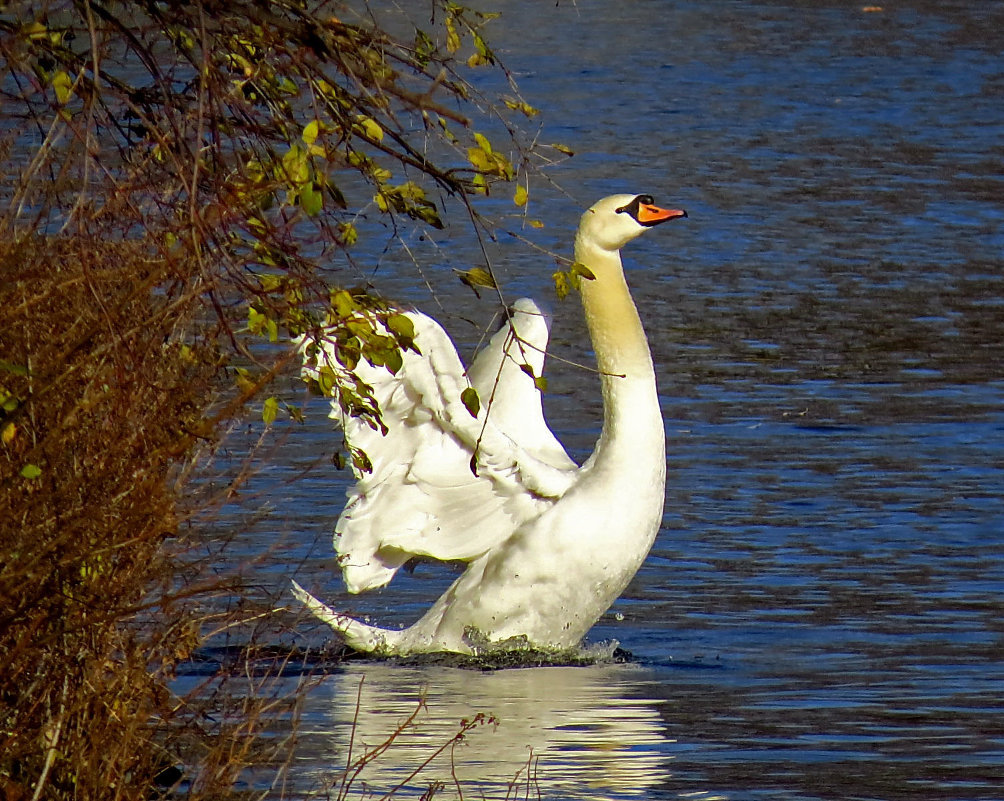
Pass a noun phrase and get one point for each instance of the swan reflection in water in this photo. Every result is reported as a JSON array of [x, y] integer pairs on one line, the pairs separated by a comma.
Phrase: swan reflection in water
[[589, 731]]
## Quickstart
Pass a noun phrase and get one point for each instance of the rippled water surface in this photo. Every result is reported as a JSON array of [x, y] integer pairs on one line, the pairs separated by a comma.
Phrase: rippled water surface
[[821, 616]]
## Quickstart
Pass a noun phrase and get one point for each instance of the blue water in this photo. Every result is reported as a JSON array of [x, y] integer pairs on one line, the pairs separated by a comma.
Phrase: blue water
[[821, 615]]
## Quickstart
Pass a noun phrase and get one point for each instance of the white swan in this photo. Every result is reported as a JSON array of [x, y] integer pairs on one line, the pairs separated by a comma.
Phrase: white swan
[[550, 545]]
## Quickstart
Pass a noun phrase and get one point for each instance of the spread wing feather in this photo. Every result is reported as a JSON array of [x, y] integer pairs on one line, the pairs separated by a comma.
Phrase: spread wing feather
[[421, 497]]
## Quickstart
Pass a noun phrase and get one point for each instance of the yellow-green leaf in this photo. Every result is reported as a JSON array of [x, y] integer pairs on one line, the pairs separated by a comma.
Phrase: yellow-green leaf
[[478, 276], [256, 320], [62, 84], [348, 354], [296, 166], [360, 327], [561, 284], [361, 461], [401, 325], [469, 397], [311, 131], [259, 323], [520, 105], [452, 37], [243, 379], [348, 233], [311, 199], [343, 303], [563, 149], [520, 197], [31, 471], [269, 282], [446, 131], [410, 190], [483, 142], [425, 48], [484, 53], [580, 269], [428, 215], [503, 166], [393, 360], [371, 128], [326, 380], [35, 30], [270, 410], [479, 159], [8, 434]]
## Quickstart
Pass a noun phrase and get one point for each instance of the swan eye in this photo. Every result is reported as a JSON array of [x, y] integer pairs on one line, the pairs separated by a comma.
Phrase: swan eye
[[637, 202]]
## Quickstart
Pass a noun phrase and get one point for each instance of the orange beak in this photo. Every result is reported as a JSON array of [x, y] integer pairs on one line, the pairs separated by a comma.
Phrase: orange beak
[[653, 215]]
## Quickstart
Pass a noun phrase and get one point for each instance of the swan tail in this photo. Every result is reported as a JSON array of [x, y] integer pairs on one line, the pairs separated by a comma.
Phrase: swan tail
[[358, 636]]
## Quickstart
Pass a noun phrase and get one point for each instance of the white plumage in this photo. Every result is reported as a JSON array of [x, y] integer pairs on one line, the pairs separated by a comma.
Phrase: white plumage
[[549, 545]]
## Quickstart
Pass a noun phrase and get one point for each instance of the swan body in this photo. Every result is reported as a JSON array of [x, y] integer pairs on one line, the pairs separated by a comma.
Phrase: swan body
[[549, 545]]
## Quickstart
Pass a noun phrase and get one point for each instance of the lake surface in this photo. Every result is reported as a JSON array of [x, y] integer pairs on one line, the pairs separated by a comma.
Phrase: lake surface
[[821, 615]]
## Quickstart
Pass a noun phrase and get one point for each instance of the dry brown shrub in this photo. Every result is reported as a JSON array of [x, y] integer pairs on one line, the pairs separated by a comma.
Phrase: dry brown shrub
[[101, 403]]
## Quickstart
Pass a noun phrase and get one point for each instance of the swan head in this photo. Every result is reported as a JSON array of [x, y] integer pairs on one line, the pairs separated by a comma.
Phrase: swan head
[[611, 223]]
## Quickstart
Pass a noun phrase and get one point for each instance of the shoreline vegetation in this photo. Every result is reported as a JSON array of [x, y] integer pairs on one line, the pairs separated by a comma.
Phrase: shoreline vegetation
[[182, 185]]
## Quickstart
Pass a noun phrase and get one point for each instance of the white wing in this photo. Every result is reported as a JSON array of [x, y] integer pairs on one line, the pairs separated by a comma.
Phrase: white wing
[[514, 401], [421, 497]]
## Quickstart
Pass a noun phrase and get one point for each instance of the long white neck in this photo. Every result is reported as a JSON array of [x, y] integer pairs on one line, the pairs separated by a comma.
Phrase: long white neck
[[632, 420]]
